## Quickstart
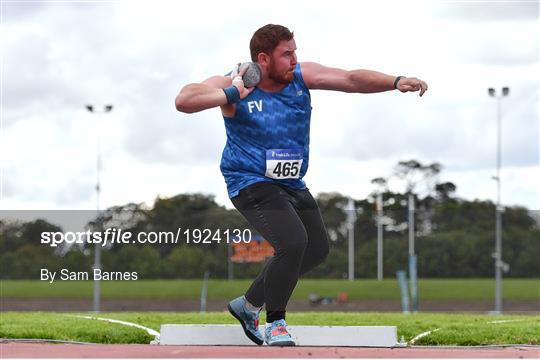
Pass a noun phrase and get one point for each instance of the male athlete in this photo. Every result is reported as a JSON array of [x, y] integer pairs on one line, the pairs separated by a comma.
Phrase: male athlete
[[265, 158]]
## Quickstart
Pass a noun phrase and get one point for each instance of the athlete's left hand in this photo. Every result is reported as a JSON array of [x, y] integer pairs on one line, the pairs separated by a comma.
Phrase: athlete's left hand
[[406, 84]]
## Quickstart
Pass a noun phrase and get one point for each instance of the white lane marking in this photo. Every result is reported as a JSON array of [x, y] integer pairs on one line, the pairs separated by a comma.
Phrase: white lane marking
[[148, 330], [504, 321], [419, 336], [426, 333]]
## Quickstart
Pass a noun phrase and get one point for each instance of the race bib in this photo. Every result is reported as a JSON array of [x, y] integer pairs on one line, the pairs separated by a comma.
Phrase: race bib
[[284, 163]]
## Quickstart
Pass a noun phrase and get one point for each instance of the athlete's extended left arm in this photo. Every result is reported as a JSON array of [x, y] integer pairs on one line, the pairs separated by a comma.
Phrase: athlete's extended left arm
[[321, 77]]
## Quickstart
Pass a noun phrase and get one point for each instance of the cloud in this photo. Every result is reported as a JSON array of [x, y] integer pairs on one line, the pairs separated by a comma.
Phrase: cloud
[[490, 43], [459, 133], [61, 56], [17, 11], [483, 11]]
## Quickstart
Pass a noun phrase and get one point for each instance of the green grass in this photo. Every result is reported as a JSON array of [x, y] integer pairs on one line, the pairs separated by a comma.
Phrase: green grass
[[456, 329], [429, 289]]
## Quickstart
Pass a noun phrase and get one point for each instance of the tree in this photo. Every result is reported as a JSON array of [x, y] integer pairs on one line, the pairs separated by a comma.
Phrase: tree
[[414, 173], [444, 191]]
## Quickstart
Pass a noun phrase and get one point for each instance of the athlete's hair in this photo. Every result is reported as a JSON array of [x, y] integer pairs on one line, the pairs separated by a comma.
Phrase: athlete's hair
[[267, 38]]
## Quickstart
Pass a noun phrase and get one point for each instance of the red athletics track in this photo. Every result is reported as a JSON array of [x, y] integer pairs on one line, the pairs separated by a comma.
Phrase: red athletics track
[[25, 350]]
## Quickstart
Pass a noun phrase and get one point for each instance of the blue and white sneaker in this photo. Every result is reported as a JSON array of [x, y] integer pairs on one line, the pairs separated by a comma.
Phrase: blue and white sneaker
[[248, 319], [277, 334]]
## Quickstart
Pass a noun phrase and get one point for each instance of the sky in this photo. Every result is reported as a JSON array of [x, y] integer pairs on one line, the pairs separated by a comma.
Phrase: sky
[[59, 56]]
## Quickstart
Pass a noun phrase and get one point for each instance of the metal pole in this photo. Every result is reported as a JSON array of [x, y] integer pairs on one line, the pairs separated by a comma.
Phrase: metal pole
[[402, 281], [351, 251], [413, 282], [379, 237], [498, 240], [411, 224], [412, 257], [97, 285], [351, 218], [230, 269], [97, 247], [204, 291], [498, 209]]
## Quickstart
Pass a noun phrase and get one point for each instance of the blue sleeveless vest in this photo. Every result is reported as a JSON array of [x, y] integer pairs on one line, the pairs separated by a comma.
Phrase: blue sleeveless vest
[[268, 138]]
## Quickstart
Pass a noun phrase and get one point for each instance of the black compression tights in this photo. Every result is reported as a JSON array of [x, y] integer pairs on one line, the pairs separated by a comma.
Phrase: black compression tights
[[291, 221]]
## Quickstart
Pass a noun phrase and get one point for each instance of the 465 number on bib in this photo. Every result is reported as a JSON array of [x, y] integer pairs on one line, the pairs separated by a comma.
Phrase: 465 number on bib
[[286, 169], [284, 163]]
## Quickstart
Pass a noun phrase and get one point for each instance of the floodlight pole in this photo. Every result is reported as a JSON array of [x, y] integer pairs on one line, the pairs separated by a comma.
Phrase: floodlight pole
[[498, 223], [97, 246]]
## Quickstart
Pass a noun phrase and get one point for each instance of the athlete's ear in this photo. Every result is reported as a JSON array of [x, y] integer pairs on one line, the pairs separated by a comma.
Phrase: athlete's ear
[[264, 60]]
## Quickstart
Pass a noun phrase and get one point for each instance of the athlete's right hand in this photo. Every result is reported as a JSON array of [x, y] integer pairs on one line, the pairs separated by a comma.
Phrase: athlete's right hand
[[239, 83]]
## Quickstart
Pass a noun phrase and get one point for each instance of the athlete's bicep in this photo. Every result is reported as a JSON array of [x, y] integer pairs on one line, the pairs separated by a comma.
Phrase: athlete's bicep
[[317, 76], [221, 82]]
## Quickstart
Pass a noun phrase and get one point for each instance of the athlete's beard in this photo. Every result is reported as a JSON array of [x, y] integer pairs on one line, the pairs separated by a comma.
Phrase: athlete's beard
[[280, 78]]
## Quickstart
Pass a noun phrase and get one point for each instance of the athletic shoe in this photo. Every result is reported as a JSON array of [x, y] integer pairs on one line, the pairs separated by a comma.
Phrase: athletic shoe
[[277, 334], [248, 319]]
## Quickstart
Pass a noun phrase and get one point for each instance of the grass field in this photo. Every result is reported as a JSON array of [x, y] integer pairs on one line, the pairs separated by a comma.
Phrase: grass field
[[455, 329], [429, 289]]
